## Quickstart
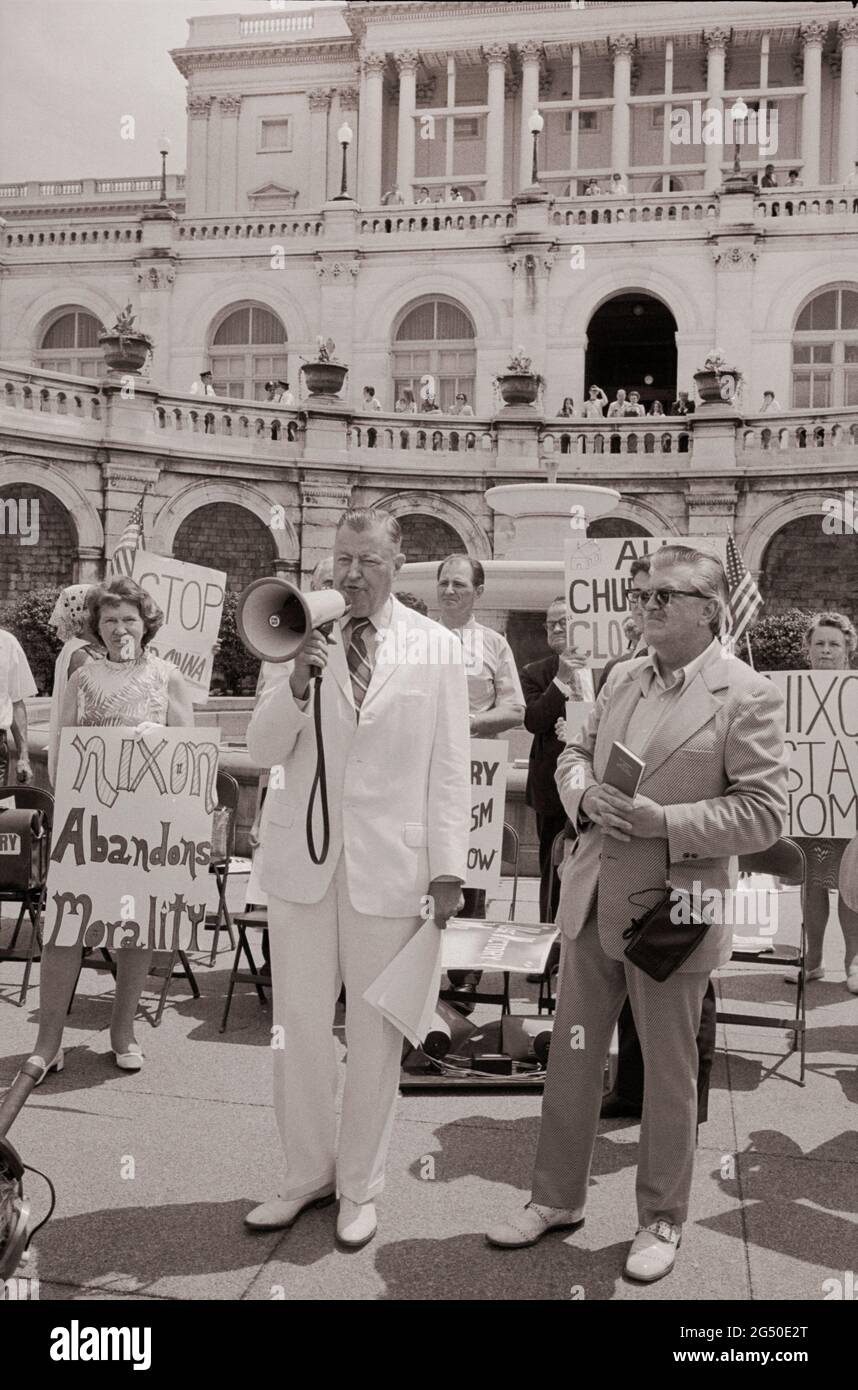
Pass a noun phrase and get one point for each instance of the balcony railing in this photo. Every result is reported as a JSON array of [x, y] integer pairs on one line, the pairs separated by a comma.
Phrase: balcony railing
[[662, 435], [129, 188], [254, 422], [247, 226], [428, 433], [799, 430]]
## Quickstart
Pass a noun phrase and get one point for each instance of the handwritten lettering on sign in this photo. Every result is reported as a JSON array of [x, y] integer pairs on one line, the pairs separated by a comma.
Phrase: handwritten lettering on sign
[[132, 838], [822, 743], [488, 795], [598, 580], [191, 599]]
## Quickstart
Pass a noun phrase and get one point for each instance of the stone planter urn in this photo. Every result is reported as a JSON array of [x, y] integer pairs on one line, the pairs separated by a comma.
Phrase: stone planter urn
[[324, 375], [717, 384], [125, 347], [518, 388]]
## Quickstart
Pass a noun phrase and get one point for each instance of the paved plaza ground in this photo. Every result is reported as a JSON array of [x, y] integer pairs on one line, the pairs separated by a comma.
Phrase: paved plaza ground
[[773, 1212]]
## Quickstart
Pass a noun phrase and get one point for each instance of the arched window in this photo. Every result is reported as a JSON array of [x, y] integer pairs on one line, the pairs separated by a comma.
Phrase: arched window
[[825, 350], [435, 337], [70, 343], [247, 349]]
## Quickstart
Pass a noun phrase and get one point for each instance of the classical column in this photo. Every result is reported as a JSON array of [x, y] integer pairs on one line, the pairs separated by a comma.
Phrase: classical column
[[622, 47], [716, 57], [198, 134], [406, 66], [813, 38], [229, 107], [319, 101], [370, 124], [496, 56], [529, 52], [847, 141]]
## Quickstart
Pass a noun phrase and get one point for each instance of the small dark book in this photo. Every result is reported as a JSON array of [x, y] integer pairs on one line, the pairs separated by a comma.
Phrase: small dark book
[[624, 770]]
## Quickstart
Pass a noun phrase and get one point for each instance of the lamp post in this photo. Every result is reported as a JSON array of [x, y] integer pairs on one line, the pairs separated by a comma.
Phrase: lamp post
[[344, 135], [164, 147], [738, 181], [535, 126]]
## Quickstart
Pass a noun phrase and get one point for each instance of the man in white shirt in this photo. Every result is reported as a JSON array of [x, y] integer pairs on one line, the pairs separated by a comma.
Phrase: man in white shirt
[[594, 406], [395, 728], [618, 406], [285, 396], [16, 686], [370, 400], [619, 185]]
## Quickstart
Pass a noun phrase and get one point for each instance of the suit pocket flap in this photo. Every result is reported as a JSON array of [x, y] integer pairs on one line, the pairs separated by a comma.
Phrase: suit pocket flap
[[415, 834]]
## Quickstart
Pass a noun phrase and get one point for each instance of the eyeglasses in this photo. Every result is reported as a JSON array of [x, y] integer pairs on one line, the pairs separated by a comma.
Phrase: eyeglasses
[[557, 622], [662, 596]]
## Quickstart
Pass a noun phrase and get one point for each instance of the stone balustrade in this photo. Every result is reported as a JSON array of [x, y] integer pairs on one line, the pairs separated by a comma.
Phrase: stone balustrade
[[799, 430], [405, 219], [38, 394], [663, 435], [115, 235], [659, 209], [32, 192], [247, 226], [210, 419], [431, 433], [805, 203]]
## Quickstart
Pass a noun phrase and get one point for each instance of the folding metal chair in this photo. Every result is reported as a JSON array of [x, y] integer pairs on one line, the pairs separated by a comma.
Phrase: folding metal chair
[[220, 920], [545, 999], [256, 919], [31, 899], [786, 861]]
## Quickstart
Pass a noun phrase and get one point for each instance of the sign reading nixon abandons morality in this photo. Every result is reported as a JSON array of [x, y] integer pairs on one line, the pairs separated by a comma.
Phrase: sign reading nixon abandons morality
[[822, 743], [191, 599], [132, 837], [597, 585], [488, 797]]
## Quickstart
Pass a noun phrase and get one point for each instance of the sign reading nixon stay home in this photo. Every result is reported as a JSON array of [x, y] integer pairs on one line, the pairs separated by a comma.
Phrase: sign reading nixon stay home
[[822, 743], [597, 585], [191, 599], [488, 796], [131, 842]]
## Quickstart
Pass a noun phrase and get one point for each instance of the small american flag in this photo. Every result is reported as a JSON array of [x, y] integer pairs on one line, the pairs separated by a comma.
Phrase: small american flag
[[745, 598], [130, 540]]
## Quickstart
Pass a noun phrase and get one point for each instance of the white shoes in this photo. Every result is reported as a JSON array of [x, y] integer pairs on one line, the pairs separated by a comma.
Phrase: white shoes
[[529, 1226], [132, 1060], [653, 1252], [356, 1223], [56, 1065], [279, 1215]]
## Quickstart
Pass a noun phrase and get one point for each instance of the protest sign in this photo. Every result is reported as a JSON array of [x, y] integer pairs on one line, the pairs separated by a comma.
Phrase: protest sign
[[129, 861], [520, 947], [821, 734], [191, 599], [488, 796], [597, 585]]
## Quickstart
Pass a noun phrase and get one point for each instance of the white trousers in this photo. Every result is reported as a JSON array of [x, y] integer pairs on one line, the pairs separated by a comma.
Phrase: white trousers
[[315, 949]]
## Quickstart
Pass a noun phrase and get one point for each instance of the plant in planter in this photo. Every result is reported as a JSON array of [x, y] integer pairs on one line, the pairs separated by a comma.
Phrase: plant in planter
[[324, 375], [717, 383], [519, 384], [125, 347]]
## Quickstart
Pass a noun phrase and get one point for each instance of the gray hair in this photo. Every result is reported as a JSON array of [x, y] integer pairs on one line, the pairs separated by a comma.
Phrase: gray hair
[[709, 575], [838, 620], [366, 519]]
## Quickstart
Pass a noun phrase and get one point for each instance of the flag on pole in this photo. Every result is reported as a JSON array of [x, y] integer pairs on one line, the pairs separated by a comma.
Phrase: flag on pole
[[130, 540], [745, 598]]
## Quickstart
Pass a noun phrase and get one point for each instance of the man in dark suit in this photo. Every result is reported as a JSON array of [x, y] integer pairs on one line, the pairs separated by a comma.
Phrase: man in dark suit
[[547, 685]]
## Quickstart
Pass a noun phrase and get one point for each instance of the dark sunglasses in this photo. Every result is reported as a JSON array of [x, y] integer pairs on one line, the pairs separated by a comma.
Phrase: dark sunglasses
[[662, 596]]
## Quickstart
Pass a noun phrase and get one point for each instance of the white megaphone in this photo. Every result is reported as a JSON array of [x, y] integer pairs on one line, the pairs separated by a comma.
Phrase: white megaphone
[[275, 619]]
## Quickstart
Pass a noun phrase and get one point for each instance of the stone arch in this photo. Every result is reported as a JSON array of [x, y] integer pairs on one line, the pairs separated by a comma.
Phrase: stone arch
[[83, 517], [203, 494], [805, 567], [791, 295], [756, 540], [238, 290], [79, 293], [457, 517], [642, 513], [629, 277], [395, 303]]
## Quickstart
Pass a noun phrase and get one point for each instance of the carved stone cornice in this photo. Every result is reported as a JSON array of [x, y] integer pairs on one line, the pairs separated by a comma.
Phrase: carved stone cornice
[[327, 495], [734, 257], [813, 33], [229, 104], [374, 64], [349, 98], [495, 52], [711, 503], [157, 276], [622, 45], [190, 60], [336, 271], [199, 106], [847, 30], [406, 61], [534, 259], [319, 98], [716, 40], [530, 51]]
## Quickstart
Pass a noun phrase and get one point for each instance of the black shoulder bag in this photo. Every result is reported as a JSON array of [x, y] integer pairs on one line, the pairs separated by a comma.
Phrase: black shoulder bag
[[665, 936]]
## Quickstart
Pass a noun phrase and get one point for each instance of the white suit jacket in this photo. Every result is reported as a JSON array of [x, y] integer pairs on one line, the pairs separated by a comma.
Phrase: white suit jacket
[[398, 780]]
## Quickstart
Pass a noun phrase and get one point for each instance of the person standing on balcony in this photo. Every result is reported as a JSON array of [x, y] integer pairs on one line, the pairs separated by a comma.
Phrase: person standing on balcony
[[769, 179], [428, 399], [793, 180], [593, 189], [423, 196], [393, 196], [462, 406], [594, 406], [370, 400], [619, 185], [567, 409], [618, 406], [633, 405], [284, 396], [682, 405], [206, 384], [657, 409], [770, 405]]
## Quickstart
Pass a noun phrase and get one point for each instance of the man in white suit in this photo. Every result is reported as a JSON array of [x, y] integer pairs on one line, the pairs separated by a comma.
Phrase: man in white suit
[[395, 723], [711, 733]]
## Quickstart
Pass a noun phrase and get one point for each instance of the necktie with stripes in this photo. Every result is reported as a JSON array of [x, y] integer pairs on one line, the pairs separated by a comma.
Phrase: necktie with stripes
[[359, 665]]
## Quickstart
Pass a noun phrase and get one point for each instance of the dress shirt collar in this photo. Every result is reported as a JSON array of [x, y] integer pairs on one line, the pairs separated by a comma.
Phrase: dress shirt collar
[[380, 619], [682, 676]]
